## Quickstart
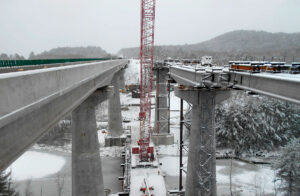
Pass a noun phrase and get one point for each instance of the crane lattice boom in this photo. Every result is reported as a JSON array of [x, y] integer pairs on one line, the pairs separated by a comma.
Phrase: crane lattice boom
[[146, 55]]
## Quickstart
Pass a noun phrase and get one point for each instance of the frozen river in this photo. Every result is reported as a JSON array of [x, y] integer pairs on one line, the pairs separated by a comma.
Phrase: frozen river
[[46, 169], [41, 171], [247, 179]]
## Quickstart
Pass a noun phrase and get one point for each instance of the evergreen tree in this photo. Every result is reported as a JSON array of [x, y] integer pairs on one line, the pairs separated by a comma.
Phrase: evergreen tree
[[247, 123], [288, 167], [281, 120], [6, 188], [31, 56], [4, 56]]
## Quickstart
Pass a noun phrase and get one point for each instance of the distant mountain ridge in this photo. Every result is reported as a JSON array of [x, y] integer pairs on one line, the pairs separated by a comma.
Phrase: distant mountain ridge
[[232, 45], [250, 40], [71, 52]]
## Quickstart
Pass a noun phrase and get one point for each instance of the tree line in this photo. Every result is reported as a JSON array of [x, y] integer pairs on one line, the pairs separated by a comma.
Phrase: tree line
[[251, 123], [63, 53]]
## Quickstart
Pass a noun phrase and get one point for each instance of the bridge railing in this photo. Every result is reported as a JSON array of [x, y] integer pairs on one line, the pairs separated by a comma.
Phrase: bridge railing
[[15, 63]]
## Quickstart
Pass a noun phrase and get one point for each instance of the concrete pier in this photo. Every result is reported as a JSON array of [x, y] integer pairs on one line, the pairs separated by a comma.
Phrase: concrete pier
[[162, 108], [161, 134], [201, 171], [114, 108], [87, 176], [115, 137], [122, 79]]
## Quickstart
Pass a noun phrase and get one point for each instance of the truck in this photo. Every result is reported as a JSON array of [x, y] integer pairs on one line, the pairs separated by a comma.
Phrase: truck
[[206, 60]]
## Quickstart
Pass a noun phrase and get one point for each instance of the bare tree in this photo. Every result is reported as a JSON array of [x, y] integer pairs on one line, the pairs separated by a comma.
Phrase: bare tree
[[41, 191], [7, 187], [27, 191], [60, 182], [288, 168], [230, 177]]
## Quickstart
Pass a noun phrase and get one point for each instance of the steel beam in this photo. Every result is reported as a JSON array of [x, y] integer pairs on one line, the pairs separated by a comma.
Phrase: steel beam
[[281, 86], [278, 85]]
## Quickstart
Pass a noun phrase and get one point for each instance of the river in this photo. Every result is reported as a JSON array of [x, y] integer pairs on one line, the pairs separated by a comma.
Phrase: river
[[45, 168]]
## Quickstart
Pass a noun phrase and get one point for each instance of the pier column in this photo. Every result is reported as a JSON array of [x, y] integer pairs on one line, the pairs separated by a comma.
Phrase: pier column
[[161, 134], [115, 129], [114, 108], [201, 170], [87, 178], [122, 79], [161, 106]]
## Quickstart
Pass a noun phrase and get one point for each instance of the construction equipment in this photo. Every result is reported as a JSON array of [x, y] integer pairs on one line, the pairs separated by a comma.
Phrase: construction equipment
[[146, 60]]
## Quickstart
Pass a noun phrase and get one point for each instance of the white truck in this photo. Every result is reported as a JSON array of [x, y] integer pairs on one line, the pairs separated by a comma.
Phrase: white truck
[[206, 60]]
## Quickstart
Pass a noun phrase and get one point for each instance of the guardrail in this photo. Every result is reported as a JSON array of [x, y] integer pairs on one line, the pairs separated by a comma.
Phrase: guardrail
[[14, 63]]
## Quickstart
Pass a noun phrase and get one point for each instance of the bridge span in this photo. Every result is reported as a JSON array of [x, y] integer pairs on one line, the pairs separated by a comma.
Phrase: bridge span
[[32, 102], [278, 85], [204, 87]]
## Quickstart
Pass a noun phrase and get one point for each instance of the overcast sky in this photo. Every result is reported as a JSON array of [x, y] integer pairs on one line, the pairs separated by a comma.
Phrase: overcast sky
[[38, 25]]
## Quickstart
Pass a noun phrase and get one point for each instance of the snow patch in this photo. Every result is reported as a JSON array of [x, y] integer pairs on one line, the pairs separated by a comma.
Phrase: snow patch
[[132, 73], [168, 149], [101, 136], [33, 165], [114, 151], [66, 148], [170, 165], [221, 177], [245, 180]]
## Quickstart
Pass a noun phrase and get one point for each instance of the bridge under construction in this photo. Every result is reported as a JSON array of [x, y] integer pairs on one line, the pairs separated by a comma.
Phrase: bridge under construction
[[46, 95], [36, 94]]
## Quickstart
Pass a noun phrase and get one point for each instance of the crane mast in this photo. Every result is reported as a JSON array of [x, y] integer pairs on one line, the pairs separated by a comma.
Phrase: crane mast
[[146, 61]]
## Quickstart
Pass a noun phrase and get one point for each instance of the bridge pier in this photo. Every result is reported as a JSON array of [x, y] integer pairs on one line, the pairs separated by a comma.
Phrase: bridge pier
[[161, 134], [122, 79], [115, 129], [201, 169], [87, 178]]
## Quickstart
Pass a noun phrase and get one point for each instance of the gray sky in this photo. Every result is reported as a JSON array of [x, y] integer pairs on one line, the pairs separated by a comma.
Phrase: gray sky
[[38, 25]]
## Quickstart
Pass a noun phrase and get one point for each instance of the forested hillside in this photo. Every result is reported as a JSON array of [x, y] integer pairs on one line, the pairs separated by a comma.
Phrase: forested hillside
[[71, 52], [242, 44], [62, 53]]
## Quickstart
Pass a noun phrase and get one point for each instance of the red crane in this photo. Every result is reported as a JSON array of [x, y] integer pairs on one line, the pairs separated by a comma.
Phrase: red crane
[[146, 60]]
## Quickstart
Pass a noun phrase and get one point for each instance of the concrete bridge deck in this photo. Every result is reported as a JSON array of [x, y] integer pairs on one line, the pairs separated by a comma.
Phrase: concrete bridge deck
[[31, 102], [278, 85]]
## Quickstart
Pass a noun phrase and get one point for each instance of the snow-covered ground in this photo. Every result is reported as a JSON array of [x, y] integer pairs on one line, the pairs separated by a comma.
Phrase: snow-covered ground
[[247, 179], [126, 99], [33, 165], [153, 179]]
